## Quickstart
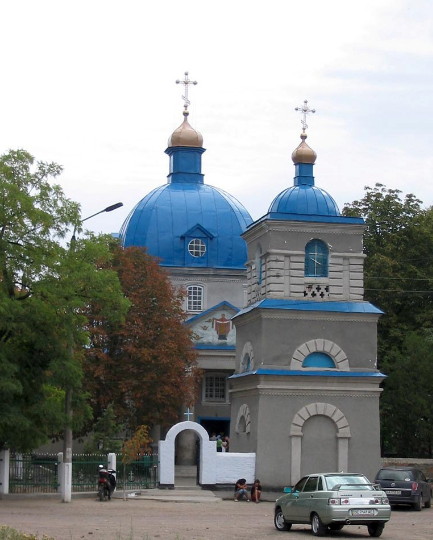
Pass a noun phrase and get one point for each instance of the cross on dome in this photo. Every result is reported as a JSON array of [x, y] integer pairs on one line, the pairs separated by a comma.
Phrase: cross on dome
[[186, 82], [305, 110]]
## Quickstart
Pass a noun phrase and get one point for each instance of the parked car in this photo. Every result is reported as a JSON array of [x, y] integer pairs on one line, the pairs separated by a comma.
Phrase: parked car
[[329, 501], [405, 485]]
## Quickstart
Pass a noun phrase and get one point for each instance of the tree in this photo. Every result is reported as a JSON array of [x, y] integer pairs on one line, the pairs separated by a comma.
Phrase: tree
[[398, 242], [45, 287], [146, 368], [106, 434], [407, 402]]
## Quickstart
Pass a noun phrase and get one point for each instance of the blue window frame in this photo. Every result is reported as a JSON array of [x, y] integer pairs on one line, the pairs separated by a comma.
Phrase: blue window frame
[[316, 259]]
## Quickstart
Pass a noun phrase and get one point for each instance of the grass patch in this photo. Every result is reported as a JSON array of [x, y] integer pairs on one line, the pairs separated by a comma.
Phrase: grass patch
[[8, 533]]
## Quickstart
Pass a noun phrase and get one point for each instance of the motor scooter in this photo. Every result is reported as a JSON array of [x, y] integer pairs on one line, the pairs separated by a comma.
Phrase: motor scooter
[[106, 483]]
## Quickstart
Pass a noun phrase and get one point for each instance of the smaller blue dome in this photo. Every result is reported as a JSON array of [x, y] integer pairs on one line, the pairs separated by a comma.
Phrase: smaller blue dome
[[305, 199]]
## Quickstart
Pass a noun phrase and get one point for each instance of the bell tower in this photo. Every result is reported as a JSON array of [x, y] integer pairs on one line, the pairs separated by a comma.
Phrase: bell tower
[[305, 394]]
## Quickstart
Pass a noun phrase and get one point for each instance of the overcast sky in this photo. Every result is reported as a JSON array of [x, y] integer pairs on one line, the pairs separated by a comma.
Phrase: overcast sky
[[90, 84]]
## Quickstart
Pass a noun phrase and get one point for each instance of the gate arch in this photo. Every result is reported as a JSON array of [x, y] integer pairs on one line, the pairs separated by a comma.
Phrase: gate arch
[[207, 471]]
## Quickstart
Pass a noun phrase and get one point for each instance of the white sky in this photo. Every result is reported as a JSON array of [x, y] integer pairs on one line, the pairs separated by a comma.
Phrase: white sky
[[90, 84]]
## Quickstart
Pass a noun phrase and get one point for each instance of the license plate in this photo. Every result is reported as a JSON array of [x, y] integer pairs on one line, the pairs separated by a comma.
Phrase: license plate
[[392, 492], [362, 512]]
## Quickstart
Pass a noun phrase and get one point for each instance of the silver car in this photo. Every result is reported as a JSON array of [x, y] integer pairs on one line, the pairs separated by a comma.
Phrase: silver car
[[329, 501]]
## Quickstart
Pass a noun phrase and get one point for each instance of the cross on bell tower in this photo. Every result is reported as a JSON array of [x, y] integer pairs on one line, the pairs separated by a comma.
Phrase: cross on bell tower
[[305, 109], [186, 82]]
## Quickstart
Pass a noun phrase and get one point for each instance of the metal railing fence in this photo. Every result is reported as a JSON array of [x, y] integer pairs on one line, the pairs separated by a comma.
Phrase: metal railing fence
[[38, 473]]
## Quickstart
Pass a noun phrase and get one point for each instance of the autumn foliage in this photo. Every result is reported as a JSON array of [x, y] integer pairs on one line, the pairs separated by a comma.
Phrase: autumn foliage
[[146, 368]]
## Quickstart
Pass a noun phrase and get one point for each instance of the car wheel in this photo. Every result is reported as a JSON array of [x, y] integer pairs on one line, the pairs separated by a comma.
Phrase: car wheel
[[336, 526], [318, 528], [375, 529], [418, 505], [279, 521], [428, 501]]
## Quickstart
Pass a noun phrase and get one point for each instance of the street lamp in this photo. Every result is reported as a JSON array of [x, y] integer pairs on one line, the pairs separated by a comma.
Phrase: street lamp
[[66, 468]]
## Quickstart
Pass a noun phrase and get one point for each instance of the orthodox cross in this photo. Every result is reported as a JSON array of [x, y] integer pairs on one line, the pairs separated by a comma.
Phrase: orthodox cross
[[186, 82], [188, 413], [305, 109]]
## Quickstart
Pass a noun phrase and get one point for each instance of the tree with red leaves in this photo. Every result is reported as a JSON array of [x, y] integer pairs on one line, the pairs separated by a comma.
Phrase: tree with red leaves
[[147, 367]]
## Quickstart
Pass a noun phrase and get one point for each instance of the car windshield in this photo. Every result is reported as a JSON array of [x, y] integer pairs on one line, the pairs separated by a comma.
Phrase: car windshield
[[337, 481], [395, 475]]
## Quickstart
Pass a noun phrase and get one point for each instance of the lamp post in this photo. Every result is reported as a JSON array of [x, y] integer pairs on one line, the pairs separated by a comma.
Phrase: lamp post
[[66, 468]]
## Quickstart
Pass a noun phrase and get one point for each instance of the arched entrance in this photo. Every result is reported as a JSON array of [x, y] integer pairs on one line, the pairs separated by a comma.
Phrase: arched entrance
[[296, 432], [166, 451]]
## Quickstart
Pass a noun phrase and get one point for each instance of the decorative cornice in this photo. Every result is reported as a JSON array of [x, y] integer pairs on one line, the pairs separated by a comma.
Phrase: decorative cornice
[[267, 314], [242, 393]]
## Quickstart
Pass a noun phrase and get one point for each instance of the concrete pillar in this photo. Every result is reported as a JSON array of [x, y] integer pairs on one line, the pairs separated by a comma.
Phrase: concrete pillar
[[4, 471]]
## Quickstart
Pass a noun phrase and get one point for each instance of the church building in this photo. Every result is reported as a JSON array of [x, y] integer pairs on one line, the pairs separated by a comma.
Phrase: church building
[[285, 340], [195, 230]]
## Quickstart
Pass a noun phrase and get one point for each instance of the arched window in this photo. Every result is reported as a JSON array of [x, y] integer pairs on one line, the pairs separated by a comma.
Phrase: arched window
[[195, 298], [316, 259], [318, 360]]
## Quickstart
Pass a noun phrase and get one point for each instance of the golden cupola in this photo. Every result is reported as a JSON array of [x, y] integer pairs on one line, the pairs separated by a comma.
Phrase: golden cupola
[[186, 135], [303, 153]]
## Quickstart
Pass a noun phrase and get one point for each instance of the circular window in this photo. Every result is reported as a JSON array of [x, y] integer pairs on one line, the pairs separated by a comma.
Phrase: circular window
[[197, 248]]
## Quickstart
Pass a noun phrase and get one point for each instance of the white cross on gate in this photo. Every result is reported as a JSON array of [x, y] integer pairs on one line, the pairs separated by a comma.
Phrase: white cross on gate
[[186, 82], [188, 413]]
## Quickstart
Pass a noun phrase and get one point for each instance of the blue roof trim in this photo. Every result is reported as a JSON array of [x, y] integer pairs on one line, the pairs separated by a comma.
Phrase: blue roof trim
[[321, 373], [280, 216], [215, 347], [213, 308], [308, 305]]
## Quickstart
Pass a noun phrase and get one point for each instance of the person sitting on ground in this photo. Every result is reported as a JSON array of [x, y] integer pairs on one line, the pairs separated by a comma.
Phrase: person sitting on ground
[[241, 490], [256, 491]]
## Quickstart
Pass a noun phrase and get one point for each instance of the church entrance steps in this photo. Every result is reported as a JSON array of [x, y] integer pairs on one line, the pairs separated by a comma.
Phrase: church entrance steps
[[185, 476]]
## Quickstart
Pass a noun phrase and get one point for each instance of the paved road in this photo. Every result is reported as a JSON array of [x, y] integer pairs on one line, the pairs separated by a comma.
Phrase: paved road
[[139, 519]]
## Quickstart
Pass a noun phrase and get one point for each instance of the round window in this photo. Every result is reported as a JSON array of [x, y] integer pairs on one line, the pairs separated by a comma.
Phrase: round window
[[197, 248]]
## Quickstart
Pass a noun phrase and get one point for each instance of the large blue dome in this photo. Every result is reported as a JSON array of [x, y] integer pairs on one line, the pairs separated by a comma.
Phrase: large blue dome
[[185, 222], [189, 224]]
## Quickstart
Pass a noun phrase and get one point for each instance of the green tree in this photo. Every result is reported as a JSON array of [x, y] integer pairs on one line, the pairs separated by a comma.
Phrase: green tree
[[45, 287], [407, 403], [398, 242], [398, 277], [146, 367], [106, 434]]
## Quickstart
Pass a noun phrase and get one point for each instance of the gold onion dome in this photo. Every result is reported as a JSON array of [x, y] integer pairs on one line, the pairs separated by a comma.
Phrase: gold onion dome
[[303, 153], [185, 135]]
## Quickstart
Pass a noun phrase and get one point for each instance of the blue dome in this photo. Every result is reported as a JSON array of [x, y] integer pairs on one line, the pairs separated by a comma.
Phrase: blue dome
[[304, 199], [187, 223]]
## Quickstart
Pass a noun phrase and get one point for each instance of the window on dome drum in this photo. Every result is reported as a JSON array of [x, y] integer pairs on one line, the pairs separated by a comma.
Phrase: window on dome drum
[[318, 360], [316, 259], [196, 247], [215, 388]]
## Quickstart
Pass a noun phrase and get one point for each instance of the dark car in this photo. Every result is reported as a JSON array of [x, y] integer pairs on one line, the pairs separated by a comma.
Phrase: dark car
[[405, 485]]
